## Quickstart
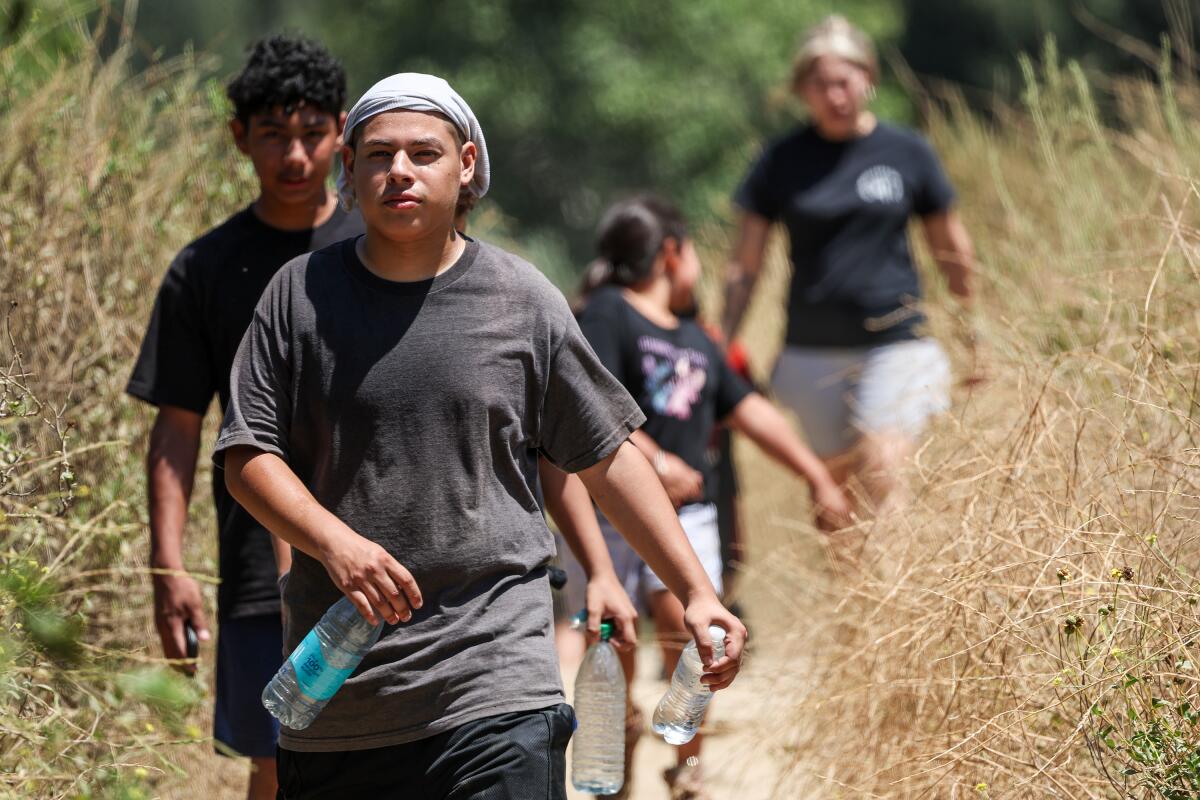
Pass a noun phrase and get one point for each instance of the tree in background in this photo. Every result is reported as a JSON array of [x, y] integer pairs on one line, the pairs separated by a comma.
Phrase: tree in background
[[974, 44], [583, 101]]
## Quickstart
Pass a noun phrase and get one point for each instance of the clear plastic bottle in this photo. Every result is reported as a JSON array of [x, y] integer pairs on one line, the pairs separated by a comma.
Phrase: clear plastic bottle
[[319, 666], [598, 762], [681, 709]]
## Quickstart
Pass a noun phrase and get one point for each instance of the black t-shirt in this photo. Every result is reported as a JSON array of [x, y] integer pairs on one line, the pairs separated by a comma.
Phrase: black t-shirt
[[678, 376], [846, 206], [203, 308]]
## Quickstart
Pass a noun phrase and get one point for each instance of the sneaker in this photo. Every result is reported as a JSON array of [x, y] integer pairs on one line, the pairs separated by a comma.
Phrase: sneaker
[[686, 781]]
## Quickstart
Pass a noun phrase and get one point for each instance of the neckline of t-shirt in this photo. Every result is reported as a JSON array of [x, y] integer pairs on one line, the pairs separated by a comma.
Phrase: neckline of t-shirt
[[816, 134], [679, 321], [428, 286], [257, 222]]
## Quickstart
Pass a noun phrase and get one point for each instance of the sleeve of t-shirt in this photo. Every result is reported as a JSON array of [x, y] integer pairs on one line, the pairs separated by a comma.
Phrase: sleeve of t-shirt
[[731, 389], [756, 193], [934, 192], [174, 365], [586, 412], [260, 398]]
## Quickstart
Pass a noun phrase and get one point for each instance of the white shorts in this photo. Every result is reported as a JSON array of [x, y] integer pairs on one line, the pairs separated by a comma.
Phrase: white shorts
[[838, 394], [699, 521]]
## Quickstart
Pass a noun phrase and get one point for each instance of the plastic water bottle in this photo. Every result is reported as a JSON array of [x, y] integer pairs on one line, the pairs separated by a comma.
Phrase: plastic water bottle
[[681, 710], [319, 666], [598, 763]]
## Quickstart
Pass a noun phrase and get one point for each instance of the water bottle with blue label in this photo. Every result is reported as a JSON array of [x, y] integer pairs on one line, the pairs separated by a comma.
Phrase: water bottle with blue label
[[319, 666]]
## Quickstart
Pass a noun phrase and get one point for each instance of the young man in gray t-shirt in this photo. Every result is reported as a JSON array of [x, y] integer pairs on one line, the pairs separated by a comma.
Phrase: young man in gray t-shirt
[[388, 406]]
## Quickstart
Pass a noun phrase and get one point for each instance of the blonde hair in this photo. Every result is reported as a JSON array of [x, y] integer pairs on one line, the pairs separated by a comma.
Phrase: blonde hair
[[834, 36]]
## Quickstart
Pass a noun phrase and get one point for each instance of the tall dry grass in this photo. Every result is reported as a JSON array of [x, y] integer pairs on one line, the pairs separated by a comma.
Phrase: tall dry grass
[[1028, 627], [104, 174]]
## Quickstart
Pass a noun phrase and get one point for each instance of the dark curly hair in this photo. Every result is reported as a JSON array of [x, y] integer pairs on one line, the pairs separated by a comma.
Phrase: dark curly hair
[[287, 71]]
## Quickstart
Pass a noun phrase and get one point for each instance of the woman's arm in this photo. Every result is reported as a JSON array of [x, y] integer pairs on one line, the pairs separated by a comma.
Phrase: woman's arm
[[743, 268], [625, 488], [374, 581], [755, 417], [950, 245], [570, 507]]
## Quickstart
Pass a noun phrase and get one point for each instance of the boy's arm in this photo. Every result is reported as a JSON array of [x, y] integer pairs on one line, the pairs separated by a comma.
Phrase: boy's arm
[[374, 581], [627, 490], [283, 555], [755, 417], [170, 475], [570, 506]]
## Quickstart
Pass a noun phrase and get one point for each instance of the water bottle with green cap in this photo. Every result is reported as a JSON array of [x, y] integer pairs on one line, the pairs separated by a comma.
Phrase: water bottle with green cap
[[598, 763]]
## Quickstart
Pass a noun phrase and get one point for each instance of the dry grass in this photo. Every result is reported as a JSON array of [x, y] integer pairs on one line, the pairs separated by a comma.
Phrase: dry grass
[[1028, 627], [103, 175], [1025, 629]]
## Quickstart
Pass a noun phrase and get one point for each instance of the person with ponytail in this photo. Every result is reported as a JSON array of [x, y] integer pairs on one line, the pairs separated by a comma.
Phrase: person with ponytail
[[857, 368], [647, 266]]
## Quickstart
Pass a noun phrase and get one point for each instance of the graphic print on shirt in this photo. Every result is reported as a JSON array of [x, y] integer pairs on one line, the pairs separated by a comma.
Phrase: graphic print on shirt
[[674, 376], [880, 184]]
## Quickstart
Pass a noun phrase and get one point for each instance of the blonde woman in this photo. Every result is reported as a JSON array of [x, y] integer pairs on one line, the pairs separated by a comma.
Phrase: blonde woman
[[857, 370]]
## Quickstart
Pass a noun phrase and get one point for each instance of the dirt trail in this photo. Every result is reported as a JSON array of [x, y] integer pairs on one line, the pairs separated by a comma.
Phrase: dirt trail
[[737, 762]]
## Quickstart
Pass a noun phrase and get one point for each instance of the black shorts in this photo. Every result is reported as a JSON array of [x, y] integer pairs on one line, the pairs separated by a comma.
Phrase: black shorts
[[517, 756], [249, 652]]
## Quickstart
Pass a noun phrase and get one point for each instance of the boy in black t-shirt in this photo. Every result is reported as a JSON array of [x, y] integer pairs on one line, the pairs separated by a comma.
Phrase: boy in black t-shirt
[[288, 121]]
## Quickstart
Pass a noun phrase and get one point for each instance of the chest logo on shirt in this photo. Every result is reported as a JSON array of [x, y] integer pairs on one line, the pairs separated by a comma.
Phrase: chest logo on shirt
[[880, 184], [674, 376]]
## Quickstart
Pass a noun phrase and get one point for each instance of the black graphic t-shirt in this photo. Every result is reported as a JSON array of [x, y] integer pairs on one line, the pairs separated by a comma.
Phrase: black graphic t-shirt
[[204, 305], [678, 376], [846, 206]]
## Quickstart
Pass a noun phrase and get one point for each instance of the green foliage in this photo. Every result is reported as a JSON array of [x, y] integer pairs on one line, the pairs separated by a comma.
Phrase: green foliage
[[583, 102], [100, 183]]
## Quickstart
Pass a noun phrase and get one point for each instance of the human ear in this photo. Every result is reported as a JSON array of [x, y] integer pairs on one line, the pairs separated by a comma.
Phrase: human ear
[[341, 127], [672, 253], [467, 158], [238, 130]]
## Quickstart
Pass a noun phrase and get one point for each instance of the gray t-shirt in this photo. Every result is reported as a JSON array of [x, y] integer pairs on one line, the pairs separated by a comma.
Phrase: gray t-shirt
[[415, 412]]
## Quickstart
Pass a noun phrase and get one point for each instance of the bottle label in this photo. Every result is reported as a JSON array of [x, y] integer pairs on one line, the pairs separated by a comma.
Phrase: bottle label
[[317, 679]]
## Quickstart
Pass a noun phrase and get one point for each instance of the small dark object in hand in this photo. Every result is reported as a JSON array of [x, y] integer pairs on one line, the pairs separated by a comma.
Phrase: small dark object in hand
[[193, 641], [558, 577]]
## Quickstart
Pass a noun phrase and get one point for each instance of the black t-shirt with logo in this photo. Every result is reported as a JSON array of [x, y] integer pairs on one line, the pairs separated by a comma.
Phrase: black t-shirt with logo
[[846, 206], [204, 305], [678, 376]]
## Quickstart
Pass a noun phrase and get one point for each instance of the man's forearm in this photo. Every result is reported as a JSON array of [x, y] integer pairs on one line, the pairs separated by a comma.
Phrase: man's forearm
[[170, 476], [378, 585], [266, 487], [629, 493], [762, 423], [739, 287], [570, 507], [283, 555]]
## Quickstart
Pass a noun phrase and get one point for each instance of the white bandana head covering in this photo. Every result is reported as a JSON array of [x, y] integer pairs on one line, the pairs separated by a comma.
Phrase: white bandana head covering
[[413, 91]]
